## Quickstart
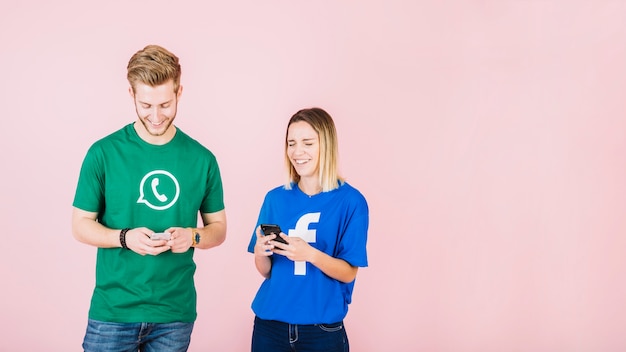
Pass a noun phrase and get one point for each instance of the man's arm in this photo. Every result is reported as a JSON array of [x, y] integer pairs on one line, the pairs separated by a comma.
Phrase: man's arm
[[214, 231], [87, 230]]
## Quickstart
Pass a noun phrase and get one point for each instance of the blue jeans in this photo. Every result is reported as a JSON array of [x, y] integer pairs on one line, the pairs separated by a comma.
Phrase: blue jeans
[[275, 336], [131, 337]]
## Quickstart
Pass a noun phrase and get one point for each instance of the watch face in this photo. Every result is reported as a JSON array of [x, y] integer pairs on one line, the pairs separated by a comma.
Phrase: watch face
[[197, 237]]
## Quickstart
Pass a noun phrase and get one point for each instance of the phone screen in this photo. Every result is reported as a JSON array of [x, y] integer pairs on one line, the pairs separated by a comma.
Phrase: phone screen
[[160, 236]]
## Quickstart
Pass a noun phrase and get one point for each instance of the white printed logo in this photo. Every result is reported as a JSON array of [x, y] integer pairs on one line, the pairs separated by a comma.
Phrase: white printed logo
[[163, 191], [302, 231]]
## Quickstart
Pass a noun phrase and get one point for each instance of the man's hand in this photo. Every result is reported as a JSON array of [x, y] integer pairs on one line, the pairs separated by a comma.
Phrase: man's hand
[[138, 240], [180, 240]]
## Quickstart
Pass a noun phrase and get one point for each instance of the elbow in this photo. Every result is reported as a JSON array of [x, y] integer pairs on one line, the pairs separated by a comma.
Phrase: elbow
[[77, 234], [220, 238], [350, 275], [347, 280]]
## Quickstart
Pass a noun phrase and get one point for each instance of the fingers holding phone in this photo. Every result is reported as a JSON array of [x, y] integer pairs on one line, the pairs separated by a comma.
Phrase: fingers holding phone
[[263, 246], [159, 236], [159, 240], [280, 243], [273, 229], [140, 241]]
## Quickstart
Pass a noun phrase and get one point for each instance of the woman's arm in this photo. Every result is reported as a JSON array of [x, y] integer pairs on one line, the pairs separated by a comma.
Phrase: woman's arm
[[262, 253], [299, 250]]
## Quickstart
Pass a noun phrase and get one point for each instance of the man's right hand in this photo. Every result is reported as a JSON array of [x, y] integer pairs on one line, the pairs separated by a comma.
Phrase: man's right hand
[[138, 240]]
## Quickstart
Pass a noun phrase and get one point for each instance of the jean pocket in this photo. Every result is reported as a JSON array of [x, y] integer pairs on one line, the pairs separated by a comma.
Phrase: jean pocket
[[331, 327]]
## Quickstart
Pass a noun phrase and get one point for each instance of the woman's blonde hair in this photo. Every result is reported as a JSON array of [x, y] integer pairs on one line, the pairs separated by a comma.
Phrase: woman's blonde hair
[[324, 125], [153, 66]]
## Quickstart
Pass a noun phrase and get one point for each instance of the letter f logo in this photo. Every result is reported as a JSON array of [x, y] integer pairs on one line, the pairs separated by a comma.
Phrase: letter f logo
[[302, 231]]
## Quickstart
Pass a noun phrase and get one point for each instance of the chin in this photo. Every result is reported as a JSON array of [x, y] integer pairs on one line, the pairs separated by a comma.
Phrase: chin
[[156, 134], [158, 131]]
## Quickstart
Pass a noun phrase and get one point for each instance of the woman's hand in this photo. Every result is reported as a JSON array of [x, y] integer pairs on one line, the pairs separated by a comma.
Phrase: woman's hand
[[297, 249], [263, 246]]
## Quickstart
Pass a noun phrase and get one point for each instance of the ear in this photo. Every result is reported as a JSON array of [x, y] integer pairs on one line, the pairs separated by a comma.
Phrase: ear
[[130, 91], [180, 91]]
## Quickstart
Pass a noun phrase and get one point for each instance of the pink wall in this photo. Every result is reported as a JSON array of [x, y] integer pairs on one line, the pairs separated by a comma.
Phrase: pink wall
[[488, 137]]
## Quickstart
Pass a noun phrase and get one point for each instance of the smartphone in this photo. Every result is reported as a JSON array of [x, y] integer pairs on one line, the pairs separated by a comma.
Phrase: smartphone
[[268, 229], [160, 236]]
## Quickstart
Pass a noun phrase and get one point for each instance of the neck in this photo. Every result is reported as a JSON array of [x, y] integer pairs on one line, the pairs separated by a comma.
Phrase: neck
[[309, 188]]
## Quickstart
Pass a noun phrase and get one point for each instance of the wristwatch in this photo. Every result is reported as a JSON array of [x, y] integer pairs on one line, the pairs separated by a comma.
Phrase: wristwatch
[[195, 237]]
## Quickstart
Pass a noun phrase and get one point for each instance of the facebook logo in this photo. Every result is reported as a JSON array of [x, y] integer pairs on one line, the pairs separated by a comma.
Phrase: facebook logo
[[302, 230]]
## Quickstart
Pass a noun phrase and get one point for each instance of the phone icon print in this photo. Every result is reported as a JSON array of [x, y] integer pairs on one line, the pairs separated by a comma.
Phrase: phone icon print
[[161, 197], [159, 186]]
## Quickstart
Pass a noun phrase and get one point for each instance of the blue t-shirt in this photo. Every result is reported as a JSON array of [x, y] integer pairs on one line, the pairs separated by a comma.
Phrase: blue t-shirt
[[335, 223]]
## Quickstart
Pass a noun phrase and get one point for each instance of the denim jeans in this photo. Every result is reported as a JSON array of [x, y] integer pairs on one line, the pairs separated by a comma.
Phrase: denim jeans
[[275, 336], [131, 337]]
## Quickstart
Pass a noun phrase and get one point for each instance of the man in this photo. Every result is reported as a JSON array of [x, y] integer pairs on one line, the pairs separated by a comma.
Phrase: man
[[148, 179]]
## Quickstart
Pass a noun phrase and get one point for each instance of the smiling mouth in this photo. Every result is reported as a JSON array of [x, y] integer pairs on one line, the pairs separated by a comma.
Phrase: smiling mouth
[[156, 124]]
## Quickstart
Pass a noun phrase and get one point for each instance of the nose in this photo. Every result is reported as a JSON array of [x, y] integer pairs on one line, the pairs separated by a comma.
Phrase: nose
[[155, 113], [297, 149]]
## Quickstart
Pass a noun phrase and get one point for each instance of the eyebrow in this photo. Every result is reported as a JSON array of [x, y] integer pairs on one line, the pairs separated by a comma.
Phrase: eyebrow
[[305, 139], [163, 103]]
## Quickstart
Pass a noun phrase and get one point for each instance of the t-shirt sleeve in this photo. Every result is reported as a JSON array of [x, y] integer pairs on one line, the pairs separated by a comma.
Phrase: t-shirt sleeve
[[353, 242], [262, 215], [89, 194], [214, 196]]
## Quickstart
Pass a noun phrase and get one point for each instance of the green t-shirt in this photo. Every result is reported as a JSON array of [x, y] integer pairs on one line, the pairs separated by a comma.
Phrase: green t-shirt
[[131, 183]]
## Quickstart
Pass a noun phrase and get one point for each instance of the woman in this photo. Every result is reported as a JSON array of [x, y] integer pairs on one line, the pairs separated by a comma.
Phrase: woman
[[309, 279]]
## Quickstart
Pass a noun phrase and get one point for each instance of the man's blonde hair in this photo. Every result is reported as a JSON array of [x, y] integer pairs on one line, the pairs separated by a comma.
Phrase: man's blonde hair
[[153, 66]]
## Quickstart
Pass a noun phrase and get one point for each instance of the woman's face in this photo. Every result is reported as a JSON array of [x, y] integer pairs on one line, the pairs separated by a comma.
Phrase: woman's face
[[303, 149]]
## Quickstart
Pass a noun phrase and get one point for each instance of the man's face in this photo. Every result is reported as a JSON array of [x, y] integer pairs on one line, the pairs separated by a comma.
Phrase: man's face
[[156, 108]]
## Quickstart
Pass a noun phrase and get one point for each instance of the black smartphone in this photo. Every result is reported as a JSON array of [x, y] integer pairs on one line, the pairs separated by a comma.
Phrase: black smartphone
[[268, 229]]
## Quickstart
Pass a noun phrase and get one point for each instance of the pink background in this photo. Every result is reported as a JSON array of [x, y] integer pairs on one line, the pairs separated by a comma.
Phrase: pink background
[[488, 137]]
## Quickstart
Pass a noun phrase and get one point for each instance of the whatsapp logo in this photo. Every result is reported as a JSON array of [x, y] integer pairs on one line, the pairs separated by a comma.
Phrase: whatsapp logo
[[158, 190]]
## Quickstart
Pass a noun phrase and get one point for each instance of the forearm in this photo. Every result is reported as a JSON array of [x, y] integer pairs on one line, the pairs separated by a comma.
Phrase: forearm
[[337, 269], [211, 235], [263, 265], [87, 230], [214, 231]]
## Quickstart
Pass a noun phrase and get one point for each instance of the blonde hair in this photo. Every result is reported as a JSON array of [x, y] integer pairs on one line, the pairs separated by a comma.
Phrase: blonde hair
[[323, 124], [153, 66]]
